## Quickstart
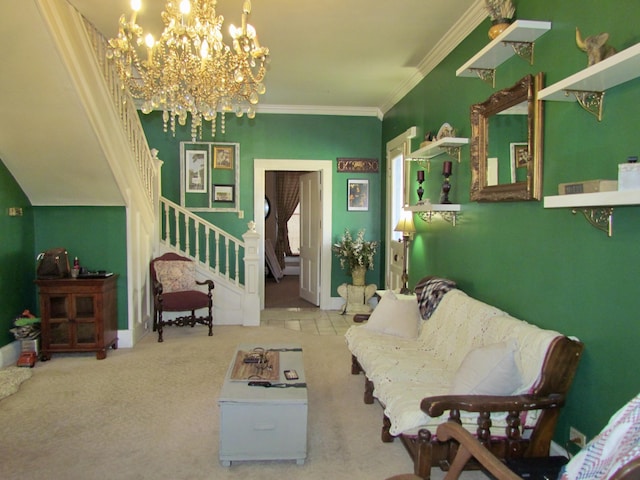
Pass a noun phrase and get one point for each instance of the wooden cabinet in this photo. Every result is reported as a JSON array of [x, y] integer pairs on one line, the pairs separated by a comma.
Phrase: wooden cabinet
[[78, 315]]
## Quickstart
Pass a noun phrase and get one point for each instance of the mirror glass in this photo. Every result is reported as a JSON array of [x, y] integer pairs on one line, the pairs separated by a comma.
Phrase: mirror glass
[[506, 144]]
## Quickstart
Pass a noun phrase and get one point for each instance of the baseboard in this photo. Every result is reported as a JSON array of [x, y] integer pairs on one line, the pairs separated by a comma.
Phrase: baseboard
[[9, 354]]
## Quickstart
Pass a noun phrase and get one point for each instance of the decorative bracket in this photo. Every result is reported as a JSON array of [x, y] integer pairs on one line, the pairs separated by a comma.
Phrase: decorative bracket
[[590, 101], [599, 217], [425, 163], [453, 152], [486, 74], [450, 217], [522, 49]]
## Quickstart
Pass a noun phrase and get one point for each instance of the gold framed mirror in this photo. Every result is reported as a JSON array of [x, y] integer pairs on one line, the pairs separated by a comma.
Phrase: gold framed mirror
[[506, 144]]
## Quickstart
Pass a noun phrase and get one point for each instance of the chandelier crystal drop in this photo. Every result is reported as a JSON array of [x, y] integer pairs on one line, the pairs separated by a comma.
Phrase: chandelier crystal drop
[[189, 69]]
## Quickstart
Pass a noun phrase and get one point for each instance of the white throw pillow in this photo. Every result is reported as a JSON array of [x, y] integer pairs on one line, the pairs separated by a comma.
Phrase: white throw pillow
[[489, 370], [175, 275], [393, 316]]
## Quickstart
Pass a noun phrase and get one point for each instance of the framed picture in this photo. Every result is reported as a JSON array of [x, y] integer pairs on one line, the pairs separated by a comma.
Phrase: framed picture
[[223, 193], [196, 167], [519, 158], [358, 195], [223, 157]]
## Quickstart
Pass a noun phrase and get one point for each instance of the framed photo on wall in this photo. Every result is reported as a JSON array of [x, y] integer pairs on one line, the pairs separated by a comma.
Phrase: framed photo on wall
[[209, 176], [223, 193], [519, 158], [223, 157], [196, 168], [357, 195]]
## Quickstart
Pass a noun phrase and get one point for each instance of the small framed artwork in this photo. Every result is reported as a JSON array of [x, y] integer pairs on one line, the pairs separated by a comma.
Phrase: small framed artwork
[[358, 195], [223, 157], [223, 193], [196, 167], [519, 158]]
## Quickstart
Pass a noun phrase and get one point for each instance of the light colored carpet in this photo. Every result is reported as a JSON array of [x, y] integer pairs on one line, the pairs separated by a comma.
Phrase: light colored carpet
[[151, 413], [11, 378]]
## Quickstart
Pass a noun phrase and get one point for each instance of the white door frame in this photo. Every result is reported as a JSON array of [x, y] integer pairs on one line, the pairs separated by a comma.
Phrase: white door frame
[[260, 166], [398, 145]]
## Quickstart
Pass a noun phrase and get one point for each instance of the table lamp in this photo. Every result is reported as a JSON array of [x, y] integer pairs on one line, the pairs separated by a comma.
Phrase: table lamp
[[406, 226]]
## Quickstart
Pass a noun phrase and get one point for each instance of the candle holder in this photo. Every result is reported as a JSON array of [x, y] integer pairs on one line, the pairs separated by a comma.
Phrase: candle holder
[[446, 186], [420, 189]]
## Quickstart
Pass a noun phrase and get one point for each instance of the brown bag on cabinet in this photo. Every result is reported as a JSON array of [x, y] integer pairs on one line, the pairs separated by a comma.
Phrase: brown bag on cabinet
[[53, 263]]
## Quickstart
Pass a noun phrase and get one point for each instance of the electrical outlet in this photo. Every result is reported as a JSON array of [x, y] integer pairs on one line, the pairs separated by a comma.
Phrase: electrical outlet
[[577, 437]]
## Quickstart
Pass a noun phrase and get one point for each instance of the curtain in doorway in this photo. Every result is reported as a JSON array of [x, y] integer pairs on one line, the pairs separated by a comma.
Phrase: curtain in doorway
[[287, 199]]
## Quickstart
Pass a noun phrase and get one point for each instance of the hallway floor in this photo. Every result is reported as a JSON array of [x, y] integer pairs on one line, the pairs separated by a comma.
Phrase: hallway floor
[[307, 320]]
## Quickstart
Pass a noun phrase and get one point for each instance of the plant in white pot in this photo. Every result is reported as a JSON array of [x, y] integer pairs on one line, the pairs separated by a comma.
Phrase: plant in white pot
[[501, 13], [355, 255]]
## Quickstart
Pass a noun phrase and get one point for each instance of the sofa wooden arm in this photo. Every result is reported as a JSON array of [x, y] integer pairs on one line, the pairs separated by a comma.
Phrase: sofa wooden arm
[[437, 405], [471, 447]]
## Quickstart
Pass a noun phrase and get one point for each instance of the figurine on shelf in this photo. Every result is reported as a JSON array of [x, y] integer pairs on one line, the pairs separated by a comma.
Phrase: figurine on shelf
[[595, 46], [428, 138], [446, 186]]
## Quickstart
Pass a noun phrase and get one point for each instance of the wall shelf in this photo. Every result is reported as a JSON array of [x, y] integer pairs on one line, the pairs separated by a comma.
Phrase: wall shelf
[[597, 208], [449, 211], [449, 145], [587, 87], [517, 39]]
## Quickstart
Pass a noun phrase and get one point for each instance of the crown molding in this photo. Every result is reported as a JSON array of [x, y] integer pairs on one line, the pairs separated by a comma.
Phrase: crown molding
[[468, 22], [320, 110]]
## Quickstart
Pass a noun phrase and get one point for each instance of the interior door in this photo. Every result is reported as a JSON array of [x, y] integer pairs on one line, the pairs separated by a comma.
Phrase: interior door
[[310, 236]]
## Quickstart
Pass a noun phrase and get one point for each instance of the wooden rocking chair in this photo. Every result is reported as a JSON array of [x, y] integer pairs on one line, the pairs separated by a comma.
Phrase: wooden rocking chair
[[613, 454]]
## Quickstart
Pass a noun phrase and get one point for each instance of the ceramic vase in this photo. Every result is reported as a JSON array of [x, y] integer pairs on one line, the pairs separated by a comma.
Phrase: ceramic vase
[[358, 276], [498, 26]]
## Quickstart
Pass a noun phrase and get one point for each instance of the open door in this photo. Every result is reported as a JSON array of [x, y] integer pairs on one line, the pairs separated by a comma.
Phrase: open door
[[310, 236]]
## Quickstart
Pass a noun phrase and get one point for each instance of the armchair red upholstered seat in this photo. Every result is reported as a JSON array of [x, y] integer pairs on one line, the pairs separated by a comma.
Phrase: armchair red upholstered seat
[[175, 289]]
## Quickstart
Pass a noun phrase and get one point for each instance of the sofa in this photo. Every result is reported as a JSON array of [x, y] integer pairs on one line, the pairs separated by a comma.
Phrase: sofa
[[441, 355]]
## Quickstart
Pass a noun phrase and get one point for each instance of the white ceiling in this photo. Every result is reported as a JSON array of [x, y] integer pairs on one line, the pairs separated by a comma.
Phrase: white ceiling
[[352, 57], [336, 53]]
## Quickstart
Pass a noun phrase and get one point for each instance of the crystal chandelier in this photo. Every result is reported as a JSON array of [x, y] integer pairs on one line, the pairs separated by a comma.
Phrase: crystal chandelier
[[190, 70]]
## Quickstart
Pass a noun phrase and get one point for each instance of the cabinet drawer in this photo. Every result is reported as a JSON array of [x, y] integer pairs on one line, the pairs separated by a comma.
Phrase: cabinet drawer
[[250, 431]]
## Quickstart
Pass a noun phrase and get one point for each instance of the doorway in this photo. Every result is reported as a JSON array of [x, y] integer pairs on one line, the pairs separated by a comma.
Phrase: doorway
[[324, 169]]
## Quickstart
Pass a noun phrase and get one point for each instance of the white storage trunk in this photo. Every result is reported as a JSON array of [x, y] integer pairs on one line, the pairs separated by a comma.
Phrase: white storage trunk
[[258, 423]]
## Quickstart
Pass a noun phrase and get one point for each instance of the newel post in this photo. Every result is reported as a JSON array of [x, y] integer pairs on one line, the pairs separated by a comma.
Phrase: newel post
[[251, 304]]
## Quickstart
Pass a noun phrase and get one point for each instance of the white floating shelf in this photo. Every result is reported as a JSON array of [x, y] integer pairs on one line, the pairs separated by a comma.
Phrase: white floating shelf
[[599, 199], [438, 148], [610, 72], [497, 51], [434, 207]]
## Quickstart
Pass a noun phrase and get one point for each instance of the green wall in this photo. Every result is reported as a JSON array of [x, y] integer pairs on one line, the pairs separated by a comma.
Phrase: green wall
[[96, 235], [284, 136], [17, 260], [546, 266]]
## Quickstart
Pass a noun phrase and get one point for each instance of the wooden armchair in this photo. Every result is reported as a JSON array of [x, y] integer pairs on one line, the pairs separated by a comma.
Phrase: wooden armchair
[[613, 454], [175, 290]]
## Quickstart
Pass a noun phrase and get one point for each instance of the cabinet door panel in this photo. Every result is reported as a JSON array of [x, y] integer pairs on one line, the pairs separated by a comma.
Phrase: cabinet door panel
[[59, 333], [85, 333]]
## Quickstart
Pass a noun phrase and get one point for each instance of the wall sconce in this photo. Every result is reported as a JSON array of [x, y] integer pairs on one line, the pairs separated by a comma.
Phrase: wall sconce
[[407, 227]]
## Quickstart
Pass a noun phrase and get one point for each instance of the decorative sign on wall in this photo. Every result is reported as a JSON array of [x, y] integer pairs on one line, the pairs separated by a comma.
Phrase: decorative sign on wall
[[360, 165], [209, 176]]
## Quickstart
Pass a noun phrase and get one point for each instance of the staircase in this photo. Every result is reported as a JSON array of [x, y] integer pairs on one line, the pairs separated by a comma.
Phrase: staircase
[[154, 224]]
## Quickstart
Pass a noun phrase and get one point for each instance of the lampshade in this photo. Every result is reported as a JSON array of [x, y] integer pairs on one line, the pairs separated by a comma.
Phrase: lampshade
[[405, 224]]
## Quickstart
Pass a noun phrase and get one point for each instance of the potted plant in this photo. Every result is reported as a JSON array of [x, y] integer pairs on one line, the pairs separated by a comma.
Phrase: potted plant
[[355, 255], [501, 13]]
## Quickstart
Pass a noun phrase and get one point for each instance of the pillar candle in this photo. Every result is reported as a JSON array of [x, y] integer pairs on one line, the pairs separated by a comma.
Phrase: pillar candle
[[446, 168], [420, 176]]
